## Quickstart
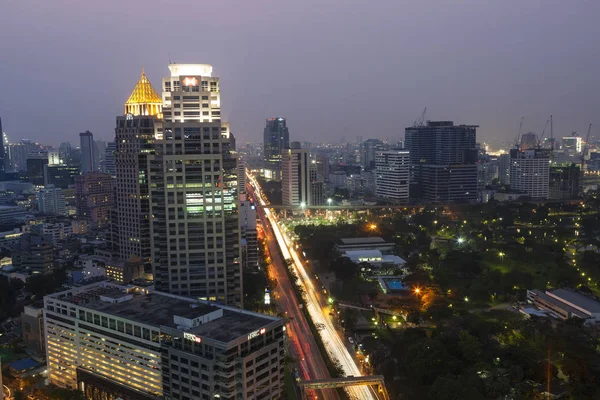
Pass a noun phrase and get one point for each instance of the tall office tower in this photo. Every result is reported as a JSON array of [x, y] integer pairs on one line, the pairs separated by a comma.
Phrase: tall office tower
[[317, 187], [368, 151], [248, 233], [18, 153], [60, 175], [276, 140], [51, 200], [2, 156], [392, 176], [112, 341], [88, 152], [528, 141], [94, 193], [134, 143], [295, 176], [36, 163], [572, 143], [108, 167], [64, 152], [564, 182], [194, 193], [443, 159], [504, 169], [322, 160], [529, 172], [100, 153]]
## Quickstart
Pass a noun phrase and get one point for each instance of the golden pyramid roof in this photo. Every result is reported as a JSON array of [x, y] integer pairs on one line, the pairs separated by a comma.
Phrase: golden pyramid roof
[[143, 93]]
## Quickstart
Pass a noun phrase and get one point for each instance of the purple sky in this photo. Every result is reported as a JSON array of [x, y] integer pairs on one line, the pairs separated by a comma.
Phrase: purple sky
[[333, 67]]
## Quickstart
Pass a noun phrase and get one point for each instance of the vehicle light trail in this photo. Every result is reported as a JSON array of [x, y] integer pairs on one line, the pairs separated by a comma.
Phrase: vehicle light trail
[[334, 345]]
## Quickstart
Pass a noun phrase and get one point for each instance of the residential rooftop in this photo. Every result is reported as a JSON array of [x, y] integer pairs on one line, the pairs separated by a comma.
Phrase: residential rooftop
[[579, 301]]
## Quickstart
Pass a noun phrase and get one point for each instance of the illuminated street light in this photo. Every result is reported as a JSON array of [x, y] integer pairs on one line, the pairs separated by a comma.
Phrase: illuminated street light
[[466, 299], [461, 240], [330, 300], [373, 227], [501, 255], [417, 290], [329, 201]]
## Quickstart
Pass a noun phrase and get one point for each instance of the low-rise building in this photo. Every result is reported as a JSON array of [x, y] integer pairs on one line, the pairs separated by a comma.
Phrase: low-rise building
[[375, 258], [114, 341], [32, 326], [122, 271], [365, 243], [565, 304]]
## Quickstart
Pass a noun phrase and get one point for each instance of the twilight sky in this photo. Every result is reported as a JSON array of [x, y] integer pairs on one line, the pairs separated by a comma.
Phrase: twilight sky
[[334, 68]]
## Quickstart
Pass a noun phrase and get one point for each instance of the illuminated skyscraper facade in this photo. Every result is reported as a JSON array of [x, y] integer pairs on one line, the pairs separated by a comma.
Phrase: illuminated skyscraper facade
[[276, 140], [194, 194]]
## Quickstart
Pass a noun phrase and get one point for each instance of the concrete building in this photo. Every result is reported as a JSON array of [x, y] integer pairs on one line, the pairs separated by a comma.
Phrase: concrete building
[[392, 176], [32, 327], [108, 166], [443, 162], [135, 134], [36, 164], [125, 271], [504, 169], [194, 192], [564, 182], [51, 201], [528, 141], [295, 177], [249, 241], [34, 253], [94, 192], [61, 175], [572, 143], [88, 152], [368, 153], [57, 231], [3, 159], [12, 214], [565, 304], [362, 244], [111, 341], [529, 172], [276, 138]]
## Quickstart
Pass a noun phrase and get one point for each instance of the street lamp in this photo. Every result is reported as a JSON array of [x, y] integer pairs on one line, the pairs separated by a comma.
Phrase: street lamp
[[461, 240], [501, 255]]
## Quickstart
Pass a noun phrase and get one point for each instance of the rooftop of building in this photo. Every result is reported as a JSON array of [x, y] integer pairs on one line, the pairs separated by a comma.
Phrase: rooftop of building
[[361, 240], [158, 309], [562, 305], [577, 299]]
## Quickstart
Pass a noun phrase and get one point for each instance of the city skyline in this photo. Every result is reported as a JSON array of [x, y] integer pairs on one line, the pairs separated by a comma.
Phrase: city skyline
[[488, 56]]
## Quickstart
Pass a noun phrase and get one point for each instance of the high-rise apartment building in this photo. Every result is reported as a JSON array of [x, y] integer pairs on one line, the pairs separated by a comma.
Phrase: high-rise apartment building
[[94, 196], [112, 341], [392, 176], [134, 135], [194, 192], [51, 200], [295, 177], [88, 152], [529, 172], [317, 186], [443, 162], [276, 140]]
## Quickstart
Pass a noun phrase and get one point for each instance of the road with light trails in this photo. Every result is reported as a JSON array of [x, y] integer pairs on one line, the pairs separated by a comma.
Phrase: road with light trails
[[310, 360], [334, 345]]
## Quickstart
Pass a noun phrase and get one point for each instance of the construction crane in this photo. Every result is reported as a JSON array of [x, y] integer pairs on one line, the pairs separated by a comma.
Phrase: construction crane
[[541, 138], [421, 120], [518, 138], [585, 149]]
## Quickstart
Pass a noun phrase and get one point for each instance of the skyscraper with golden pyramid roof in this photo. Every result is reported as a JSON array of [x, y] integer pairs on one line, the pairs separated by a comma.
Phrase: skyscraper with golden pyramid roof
[[134, 137]]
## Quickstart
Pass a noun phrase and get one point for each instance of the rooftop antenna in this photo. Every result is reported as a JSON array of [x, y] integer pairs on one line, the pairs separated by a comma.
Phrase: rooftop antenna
[[421, 120], [170, 62]]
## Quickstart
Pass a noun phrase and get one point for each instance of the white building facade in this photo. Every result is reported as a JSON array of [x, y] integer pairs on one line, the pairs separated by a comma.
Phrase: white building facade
[[392, 176]]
